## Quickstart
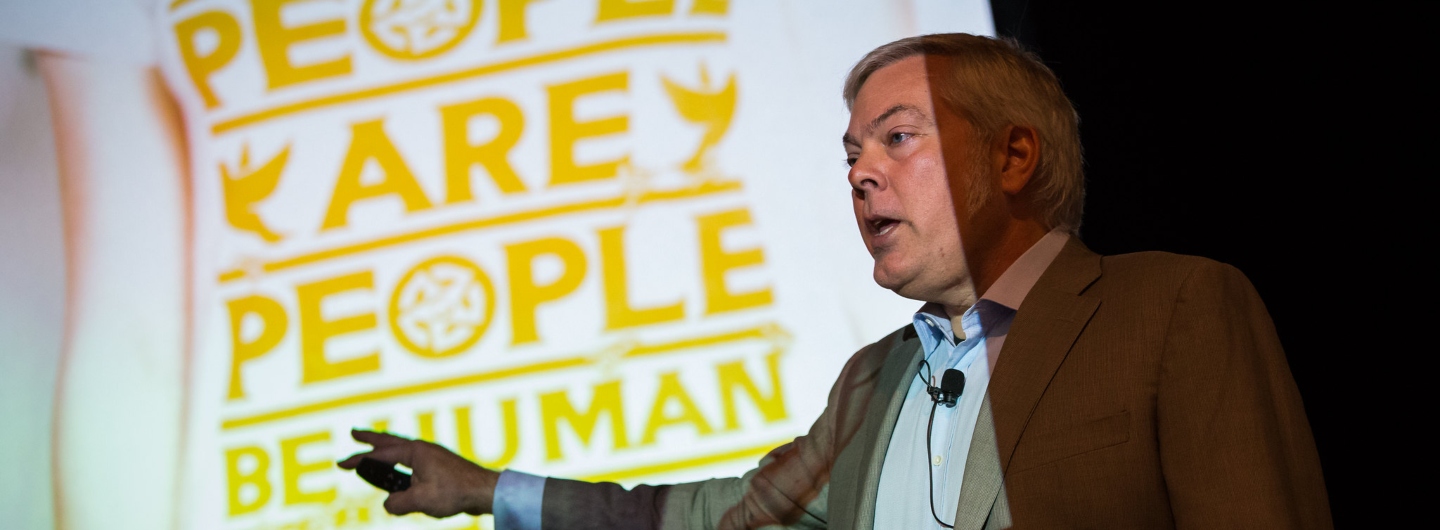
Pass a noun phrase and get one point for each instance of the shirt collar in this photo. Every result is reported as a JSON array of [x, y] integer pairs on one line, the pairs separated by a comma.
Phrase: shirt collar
[[1002, 299], [932, 327], [1012, 286]]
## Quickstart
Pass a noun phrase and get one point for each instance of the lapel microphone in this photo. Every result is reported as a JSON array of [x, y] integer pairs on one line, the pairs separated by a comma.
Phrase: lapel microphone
[[952, 383]]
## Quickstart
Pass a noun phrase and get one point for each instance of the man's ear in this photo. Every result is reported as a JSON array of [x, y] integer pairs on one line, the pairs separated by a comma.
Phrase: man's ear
[[1019, 149]]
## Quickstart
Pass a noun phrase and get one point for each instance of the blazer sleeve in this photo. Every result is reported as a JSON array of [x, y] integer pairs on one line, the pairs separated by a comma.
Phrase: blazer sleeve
[[706, 504], [787, 490], [1236, 448]]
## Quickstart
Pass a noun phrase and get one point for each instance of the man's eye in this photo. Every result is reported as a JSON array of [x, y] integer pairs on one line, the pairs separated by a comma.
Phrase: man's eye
[[850, 161], [898, 137]]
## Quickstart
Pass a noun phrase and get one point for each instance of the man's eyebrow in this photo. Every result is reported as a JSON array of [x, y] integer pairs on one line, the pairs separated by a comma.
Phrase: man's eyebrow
[[875, 123]]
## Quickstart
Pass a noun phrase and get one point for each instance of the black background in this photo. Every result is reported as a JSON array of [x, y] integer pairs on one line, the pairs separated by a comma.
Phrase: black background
[[1276, 140]]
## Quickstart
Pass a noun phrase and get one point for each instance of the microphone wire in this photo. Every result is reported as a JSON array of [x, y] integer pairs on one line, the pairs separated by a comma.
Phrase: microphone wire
[[929, 473], [929, 427]]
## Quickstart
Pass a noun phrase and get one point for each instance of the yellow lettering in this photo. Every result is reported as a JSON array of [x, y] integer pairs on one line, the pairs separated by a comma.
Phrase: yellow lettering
[[715, 261], [618, 312], [465, 444], [525, 295], [315, 330], [274, 39], [565, 131], [237, 479], [349, 516], [369, 142], [710, 7], [427, 425], [292, 469], [672, 391], [512, 20], [732, 376], [555, 406], [227, 42], [461, 155], [450, 20], [273, 324], [623, 9]]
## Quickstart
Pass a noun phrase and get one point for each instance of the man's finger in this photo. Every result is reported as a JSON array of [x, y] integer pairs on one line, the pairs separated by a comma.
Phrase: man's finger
[[377, 439], [353, 460], [395, 454], [401, 503]]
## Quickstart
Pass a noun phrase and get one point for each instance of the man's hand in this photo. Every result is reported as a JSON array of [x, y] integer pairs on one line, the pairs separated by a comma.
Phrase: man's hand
[[443, 483]]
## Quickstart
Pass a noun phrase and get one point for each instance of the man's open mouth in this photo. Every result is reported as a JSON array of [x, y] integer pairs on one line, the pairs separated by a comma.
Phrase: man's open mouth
[[880, 226]]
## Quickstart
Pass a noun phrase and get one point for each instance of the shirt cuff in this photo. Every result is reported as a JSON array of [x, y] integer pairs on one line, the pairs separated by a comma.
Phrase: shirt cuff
[[517, 501]]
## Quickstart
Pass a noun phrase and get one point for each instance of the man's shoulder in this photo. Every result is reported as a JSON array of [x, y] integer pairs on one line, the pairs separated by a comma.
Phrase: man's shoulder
[[1157, 269], [1168, 274], [1156, 262], [875, 354], [864, 367]]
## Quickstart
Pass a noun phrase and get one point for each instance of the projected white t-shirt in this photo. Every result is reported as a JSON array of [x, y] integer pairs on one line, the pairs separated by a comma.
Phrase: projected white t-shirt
[[603, 239]]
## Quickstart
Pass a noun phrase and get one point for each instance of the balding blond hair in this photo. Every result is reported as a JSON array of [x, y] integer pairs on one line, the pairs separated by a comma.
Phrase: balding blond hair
[[994, 83]]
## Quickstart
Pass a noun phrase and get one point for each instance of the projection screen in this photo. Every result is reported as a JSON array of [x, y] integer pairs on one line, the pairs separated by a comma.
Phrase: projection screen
[[599, 239]]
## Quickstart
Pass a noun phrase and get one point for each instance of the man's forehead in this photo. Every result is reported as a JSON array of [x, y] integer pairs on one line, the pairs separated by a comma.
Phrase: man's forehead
[[908, 78]]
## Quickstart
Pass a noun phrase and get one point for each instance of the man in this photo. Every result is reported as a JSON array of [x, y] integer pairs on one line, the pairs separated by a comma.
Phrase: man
[[1136, 391]]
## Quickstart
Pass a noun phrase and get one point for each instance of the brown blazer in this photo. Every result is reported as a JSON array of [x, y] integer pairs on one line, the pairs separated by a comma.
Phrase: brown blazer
[[1144, 390]]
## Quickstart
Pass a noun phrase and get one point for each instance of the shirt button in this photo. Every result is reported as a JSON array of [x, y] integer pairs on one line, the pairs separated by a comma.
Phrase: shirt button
[[937, 460]]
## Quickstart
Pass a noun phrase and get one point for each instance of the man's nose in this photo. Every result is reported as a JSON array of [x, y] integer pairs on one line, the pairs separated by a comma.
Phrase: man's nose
[[867, 174]]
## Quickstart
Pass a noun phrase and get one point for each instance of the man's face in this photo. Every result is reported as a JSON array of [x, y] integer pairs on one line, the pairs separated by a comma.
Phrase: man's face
[[901, 194]]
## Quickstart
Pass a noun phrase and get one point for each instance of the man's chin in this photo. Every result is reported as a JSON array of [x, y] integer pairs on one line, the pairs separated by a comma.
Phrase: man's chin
[[892, 281], [910, 285]]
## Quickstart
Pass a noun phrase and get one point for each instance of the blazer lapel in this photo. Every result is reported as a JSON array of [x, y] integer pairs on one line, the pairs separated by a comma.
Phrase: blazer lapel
[[1051, 317], [1053, 314], [983, 476], [852, 498]]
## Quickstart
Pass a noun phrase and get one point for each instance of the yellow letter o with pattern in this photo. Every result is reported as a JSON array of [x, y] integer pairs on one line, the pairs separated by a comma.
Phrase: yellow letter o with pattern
[[411, 30], [442, 307]]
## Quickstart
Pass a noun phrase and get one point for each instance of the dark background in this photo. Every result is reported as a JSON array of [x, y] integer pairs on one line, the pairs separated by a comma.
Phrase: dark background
[[1275, 140]]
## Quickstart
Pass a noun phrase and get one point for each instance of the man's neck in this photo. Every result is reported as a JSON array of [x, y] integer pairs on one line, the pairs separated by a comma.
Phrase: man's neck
[[956, 313], [988, 262]]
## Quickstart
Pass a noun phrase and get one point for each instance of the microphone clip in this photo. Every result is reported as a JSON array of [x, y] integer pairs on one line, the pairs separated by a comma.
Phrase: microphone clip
[[952, 384], [939, 395]]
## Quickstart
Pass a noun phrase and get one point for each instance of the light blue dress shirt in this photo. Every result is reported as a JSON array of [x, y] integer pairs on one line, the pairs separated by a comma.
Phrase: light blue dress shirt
[[905, 490], [903, 500]]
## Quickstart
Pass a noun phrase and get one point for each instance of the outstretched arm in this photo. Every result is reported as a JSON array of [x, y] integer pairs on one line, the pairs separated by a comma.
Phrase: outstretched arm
[[789, 488], [445, 484]]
